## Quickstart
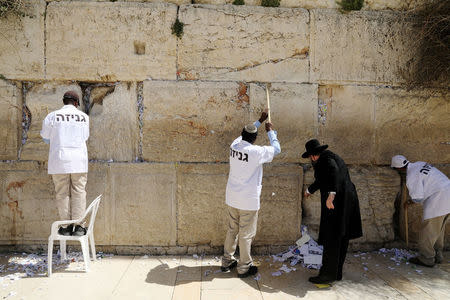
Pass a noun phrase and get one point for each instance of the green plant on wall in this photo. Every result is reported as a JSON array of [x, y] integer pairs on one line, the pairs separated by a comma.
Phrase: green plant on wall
[[348, 5], [12, 7], [238, 2], [177, 28], [270, 3]]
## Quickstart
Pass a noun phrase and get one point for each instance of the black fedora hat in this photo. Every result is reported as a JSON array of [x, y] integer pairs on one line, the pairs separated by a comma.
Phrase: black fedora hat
[[313, 147]]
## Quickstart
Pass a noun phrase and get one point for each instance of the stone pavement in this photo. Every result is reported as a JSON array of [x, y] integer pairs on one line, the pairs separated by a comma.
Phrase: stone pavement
[[373, 275]]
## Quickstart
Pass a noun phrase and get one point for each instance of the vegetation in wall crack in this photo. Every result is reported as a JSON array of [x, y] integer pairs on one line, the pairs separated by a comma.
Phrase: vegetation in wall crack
[[270, 3], [348, 5], [238, 2], [431, 32], [177, 28], [13, 7]]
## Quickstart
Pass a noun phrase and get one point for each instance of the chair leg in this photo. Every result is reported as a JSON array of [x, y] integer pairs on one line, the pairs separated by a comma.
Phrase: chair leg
[[92, 244], [85, 249], [49, 257], [62, 246]]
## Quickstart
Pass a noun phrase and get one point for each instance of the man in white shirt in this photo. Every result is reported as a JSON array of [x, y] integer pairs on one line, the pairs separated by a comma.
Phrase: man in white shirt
[[67, 131], [243, 192], [429, 186]]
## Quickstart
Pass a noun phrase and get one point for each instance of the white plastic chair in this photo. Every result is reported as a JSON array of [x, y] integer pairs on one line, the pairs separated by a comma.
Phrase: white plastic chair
[[84, 239]]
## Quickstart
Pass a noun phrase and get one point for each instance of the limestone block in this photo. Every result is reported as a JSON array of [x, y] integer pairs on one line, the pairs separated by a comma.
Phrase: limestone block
[[415, 124], [40, 100], [27, 205], [104, 41], [347, 121], [192, 121], [202, 209], [22, 46], [144, 204], [392, 4], [177, 2], [364, 46], [293, 113], [10, 120], [283, 3], [377, 188], [114, 127], [244, 43]]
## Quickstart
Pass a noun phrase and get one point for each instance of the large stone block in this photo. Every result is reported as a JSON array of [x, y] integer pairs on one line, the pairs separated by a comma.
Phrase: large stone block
[[244, 43], [365, 46], [377, 188], [192, 121], [144, 209], [415, 124], [40, 100], [293, 114], [22, 43], [27, 205], [347, 121], [92, 41], [114, 127], [283, 3], [10, 120], [202, 210]]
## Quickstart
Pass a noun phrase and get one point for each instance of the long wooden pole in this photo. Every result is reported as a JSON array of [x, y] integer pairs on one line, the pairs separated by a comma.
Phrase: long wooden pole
[[268, 102], [405, 206]]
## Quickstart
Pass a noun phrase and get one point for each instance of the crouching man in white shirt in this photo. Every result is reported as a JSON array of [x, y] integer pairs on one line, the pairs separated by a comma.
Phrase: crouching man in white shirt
[[67, 131], [243, 192], [429, 186]]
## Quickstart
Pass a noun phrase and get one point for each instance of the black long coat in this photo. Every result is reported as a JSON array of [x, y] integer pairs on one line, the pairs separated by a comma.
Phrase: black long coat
[[331, 175]]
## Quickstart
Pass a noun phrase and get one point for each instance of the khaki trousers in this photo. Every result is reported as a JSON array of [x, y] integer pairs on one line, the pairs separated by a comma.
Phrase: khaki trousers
[[241, 227], [431, 239], [70, 187]]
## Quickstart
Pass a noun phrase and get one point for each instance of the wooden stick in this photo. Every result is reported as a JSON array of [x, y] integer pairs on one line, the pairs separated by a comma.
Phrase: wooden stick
[[268, 102]]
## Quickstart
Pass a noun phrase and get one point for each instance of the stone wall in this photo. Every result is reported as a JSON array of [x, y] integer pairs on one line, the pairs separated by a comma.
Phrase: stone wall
[[163, 112]]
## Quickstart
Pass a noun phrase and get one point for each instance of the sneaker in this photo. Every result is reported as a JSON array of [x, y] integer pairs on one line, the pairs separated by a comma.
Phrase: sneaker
[[251, 271], [417, 261], [65, 230], [229, 268], [79, 231]]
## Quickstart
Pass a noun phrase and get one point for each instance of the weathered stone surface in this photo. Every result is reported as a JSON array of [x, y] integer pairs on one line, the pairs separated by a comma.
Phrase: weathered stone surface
[[177, 2], [366, 46], [114, 127], [202, 209], [10, 120], [102, 48], [347, 121], [244, 43], [144, 209], [27, 205], [41, 99], [283, 3], [192, 121], [293, 114], [22, 43], [393, 4], [415, 124], [377, 188]]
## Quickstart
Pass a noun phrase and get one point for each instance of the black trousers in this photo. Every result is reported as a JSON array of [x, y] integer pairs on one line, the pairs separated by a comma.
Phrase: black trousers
[[334, 252]]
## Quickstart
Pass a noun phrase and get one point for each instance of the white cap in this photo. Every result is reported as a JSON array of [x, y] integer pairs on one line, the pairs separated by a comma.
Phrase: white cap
[[250, 128], [399, 161]]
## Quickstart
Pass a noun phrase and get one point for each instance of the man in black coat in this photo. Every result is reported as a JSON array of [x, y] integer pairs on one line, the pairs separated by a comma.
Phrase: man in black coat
[[340, 219]]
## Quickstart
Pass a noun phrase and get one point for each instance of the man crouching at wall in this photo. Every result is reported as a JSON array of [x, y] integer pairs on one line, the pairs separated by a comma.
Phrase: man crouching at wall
[[243, 193]]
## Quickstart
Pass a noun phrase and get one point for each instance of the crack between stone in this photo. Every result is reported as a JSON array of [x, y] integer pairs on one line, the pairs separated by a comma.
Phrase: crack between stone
[[45, 40], [26, 119], [140, 108]]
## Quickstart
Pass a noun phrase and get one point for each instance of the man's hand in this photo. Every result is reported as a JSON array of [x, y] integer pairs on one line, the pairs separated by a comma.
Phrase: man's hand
[[269, 126], [329, 202], [264, 115], [306, 194], [408, 203]]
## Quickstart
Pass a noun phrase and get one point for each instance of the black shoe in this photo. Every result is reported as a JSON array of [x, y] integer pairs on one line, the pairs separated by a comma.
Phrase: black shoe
[[320, 280], [251, 271], [65, 230], [417, 261], [229, 268], [79, 231], [339, 277]]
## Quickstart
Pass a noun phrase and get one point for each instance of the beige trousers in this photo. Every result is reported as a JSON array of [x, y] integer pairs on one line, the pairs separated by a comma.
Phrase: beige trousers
[[241, 227], [70, 195], [431, 239]]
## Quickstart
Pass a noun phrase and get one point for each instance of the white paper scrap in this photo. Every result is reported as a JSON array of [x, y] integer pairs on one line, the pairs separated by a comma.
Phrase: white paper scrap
[[312, 259]]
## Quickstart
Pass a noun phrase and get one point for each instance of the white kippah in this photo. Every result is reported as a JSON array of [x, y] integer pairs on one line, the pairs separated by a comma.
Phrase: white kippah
[[251, 128], [399, 161]]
